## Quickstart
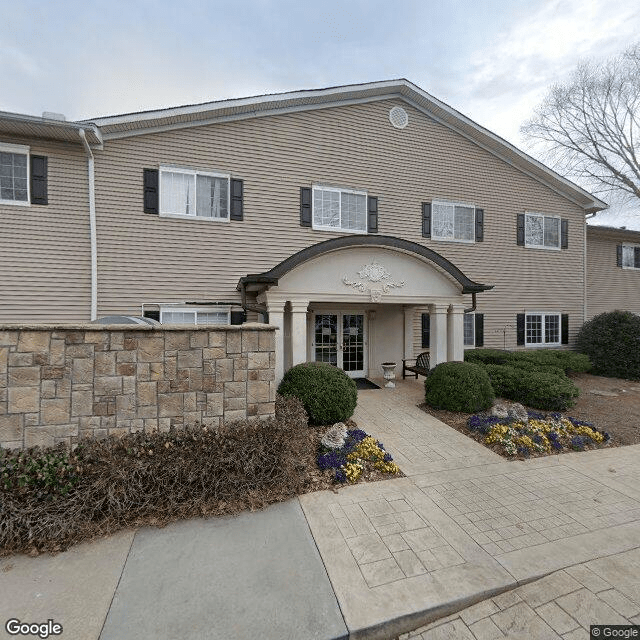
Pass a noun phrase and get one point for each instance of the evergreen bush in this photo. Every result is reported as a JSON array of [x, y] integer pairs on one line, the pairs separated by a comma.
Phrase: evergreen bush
[[459, 386], [328, 394]]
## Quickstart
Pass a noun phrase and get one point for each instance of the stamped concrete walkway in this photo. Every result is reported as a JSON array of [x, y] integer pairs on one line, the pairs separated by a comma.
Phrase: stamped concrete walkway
[[464, 524]]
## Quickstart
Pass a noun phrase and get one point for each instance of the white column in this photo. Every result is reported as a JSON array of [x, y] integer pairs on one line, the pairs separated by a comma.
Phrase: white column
[[455, 333], [408, 332], [276, 318], [438, 348], [299, 332]]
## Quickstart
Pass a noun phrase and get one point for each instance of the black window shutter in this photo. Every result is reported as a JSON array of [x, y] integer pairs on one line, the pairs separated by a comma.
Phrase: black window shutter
[[520, 328], [636, 257], [564, 234], [151, 177], [426, 219], [564, 328], [520, 232], [236, 199], [426, 330], [479, 329], [39, 180], [372, 218], [619, 255], [154, 315], [305, 206], [479, 225], [238, 317]]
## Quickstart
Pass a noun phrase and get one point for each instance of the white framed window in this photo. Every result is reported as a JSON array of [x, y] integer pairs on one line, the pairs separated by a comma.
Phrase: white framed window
[[542, 329], [14, 174], [629, 256], [469, 329], [542, 231], [191, 314], [339, 209], [194, 194], [453, 221]]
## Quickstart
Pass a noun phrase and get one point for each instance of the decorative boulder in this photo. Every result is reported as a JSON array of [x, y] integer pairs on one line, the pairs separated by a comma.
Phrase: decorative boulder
[[513, 411], [335, 436], [518, 412], [500, 410]]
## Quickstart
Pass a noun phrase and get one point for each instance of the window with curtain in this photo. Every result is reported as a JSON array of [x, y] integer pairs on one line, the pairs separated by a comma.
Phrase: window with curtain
[[192, 193], [542, 231], [453, 221], [14, 174], [339, 209]]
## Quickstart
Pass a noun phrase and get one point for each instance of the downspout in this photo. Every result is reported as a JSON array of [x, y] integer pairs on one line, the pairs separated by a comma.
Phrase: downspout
[[474, 304], [584, 268], [92, 226], [261, 309]]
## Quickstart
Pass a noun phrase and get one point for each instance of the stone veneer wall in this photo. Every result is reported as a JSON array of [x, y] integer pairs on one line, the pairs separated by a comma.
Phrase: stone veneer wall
[[61, 383]]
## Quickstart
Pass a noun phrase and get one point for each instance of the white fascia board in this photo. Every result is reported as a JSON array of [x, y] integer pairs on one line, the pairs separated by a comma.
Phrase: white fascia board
[[387, 89]]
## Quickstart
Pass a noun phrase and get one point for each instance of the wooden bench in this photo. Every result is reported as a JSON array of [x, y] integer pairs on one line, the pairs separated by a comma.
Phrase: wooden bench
[[421, 367]]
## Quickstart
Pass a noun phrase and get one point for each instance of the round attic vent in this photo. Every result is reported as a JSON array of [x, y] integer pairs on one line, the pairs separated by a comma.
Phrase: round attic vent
[[398, 117]]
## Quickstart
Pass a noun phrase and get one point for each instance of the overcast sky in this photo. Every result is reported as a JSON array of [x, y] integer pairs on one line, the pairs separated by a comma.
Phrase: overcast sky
[[490, 59]]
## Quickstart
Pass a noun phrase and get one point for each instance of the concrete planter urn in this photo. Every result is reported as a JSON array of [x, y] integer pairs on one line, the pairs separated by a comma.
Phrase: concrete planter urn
[[389, 369]]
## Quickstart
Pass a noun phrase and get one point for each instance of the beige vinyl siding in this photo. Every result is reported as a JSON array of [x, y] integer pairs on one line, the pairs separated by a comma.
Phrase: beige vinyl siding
[[146, 258], [610, 287], [45, 249]]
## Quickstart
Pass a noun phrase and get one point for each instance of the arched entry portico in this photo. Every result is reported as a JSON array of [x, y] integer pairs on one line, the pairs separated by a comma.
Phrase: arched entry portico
[[351, 301]]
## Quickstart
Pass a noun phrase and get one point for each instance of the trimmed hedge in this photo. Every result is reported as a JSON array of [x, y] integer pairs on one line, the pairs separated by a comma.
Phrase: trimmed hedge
[[612, 341], [568, 361], [459, 386], [548, 389], [328, 394], [52, 498]]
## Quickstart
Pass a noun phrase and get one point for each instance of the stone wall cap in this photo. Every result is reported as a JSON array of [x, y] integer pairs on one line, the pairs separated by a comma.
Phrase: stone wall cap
[[88, 326]]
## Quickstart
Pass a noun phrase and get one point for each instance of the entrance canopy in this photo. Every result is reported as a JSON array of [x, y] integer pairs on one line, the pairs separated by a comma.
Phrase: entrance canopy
[[377, 265], [324, 299]]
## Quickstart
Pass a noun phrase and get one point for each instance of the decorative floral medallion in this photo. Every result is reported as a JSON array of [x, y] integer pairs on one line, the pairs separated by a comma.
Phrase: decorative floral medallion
[[373, 272]]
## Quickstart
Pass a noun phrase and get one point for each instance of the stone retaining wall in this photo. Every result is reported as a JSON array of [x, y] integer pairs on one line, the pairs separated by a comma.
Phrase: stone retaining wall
[[61, 383]]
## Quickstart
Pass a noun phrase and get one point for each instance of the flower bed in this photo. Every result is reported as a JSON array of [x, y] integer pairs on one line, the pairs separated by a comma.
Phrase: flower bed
[[541, 434], [360, 457]]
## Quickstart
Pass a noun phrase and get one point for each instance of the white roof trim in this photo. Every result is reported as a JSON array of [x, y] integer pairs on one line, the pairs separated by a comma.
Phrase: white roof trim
[[349, 94]]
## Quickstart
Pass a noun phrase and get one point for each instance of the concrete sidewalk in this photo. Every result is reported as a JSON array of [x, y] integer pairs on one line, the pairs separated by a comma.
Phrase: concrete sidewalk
[[257, 575], [453, 550]]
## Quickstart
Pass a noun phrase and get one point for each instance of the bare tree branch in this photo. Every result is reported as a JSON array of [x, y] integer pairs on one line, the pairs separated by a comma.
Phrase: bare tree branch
[[589, 127]]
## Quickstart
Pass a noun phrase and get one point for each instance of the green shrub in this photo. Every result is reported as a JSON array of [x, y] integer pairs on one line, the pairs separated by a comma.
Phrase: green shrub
[[459, 386], [328, 394], [487, 356], [548, 389], [612, 342], [568, 361]]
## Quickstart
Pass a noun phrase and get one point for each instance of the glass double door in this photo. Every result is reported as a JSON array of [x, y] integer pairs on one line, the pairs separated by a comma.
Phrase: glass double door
[[339, 339]]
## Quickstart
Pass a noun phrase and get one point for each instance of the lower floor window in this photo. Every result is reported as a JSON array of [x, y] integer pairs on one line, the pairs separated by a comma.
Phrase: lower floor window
[[191, 315], [469, 330], [542, 328]]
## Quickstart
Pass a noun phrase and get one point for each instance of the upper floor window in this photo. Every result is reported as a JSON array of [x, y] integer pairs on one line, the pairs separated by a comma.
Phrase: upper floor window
[[339, 209], [453, 221], [198, 194], [542, 231], [14, 174], [630, 256], [178, 314]]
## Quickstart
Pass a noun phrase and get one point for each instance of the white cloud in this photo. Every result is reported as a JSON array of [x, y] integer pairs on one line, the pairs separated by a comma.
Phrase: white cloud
[[509, 77]]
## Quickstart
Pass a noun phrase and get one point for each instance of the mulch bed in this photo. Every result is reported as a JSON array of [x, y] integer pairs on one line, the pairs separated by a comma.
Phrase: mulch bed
[[610, 404]]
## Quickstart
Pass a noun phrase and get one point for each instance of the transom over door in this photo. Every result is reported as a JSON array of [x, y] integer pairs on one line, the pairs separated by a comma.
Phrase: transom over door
[[339, 339]]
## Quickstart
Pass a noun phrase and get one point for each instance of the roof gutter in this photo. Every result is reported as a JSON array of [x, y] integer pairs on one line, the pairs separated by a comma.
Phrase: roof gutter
[[92, 225], [257, 308]]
